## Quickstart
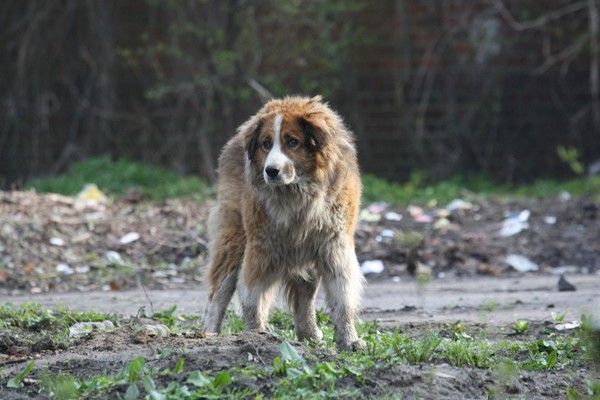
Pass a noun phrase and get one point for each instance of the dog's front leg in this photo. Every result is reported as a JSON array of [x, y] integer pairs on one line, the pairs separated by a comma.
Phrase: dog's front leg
[[301, 294], [256, 290], [343, 284]]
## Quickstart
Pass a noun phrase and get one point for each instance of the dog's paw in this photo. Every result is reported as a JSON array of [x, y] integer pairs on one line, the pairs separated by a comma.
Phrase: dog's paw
[[352, 346], [313, 335], [318, 335]]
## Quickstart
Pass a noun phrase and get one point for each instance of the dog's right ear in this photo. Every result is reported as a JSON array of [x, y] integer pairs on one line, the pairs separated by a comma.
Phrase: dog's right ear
[[251, 130]]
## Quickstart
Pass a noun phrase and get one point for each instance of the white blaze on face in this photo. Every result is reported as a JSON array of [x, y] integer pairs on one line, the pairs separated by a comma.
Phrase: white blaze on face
[[276, 159]]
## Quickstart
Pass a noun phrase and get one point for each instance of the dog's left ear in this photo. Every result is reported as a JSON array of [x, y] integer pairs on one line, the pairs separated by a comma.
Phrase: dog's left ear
[[316, 129], [251, 130]]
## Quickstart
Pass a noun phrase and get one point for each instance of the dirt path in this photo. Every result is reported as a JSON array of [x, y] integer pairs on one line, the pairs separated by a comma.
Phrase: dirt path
[[491, 300]]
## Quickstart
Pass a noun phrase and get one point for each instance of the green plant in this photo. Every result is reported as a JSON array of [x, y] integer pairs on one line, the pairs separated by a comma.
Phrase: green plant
[[17, 381], [37, 329], [117, 177], [559, 317], [309, 372], [489, 305], [233, 323], [60, 386], [570, 156], [521, 326]]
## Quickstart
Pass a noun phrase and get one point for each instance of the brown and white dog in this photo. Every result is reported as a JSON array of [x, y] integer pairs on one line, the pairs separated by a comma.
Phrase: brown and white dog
[[288, 200]]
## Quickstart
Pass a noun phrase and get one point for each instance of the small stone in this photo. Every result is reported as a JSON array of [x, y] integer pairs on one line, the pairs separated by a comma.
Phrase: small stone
[[564, 285]]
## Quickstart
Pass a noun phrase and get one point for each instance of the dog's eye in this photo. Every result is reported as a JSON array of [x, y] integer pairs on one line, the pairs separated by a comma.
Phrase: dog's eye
[[291, 143], [267, 144]]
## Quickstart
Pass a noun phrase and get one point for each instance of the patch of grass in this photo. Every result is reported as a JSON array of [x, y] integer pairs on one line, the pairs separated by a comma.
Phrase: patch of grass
[[233, 323], [138, 377], [117, 177], [304, 371], [32, 328], [418, 191], [156, 183]]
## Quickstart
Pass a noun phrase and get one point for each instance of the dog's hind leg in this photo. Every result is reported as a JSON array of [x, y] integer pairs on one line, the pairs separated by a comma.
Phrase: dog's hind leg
[[343, 284], [227, 251], [301, 294], [218, 302]]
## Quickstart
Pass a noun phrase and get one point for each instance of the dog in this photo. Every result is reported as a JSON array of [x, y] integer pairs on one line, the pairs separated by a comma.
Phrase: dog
[[288, 200]]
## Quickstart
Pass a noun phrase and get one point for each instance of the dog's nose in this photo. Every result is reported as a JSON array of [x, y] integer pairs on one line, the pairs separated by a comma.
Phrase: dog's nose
[[272, 172]]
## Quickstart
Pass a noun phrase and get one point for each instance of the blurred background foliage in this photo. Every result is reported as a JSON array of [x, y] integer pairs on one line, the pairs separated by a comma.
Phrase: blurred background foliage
[[501, 91]]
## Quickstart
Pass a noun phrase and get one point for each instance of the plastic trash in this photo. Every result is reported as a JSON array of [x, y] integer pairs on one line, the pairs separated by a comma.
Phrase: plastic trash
[[393, 216], [368, 216], [371, 267], [424, 218], [415, 211], [459, 204], [84, 269], [568, 326], [56, 241], [91, 194], [158, 330], [388, 233], [550, 219], [84, 328], [521, 263], [441, 223], [377, 208], [64, 269], [564, 196], [113, 257], [129, 238], [515, 224], [566, 269]]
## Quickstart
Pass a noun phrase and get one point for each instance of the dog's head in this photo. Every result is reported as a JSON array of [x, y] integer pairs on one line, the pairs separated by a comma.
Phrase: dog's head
[[292, 140]]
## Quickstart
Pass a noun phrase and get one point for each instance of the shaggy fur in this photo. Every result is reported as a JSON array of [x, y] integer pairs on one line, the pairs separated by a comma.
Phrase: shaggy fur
[[288, 201]]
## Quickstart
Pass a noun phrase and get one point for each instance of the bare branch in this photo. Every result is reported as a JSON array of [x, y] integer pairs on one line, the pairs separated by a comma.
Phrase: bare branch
[[539, 21], [566, 54], [264, 93]]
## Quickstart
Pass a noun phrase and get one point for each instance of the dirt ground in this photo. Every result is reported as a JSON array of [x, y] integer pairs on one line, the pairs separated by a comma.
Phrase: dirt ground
[[441, 265]]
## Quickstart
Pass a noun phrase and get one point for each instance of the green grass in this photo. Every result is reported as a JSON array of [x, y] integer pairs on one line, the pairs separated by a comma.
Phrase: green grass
[[35, 328], [420, 192], [155, 183], [315, 372], [116, 177]]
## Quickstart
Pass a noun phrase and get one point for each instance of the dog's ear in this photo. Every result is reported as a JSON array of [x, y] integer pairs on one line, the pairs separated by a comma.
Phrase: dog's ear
[[251, 130], [316, 129]]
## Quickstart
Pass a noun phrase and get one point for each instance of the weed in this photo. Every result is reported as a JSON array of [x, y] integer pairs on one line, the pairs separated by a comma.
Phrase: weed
[[166, 317], [468, 352], [521, 326], [234, 324], [489, 305], [61, 386], [17, 381], [559, 317]]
